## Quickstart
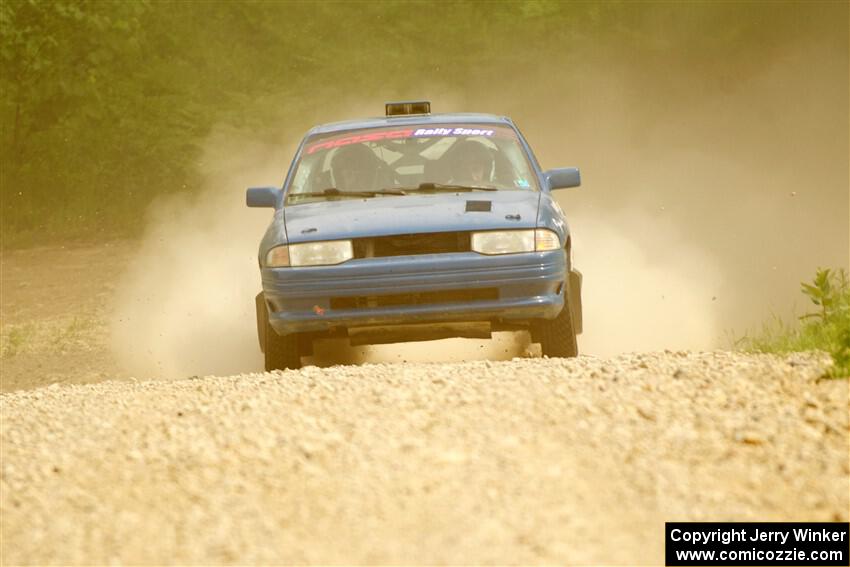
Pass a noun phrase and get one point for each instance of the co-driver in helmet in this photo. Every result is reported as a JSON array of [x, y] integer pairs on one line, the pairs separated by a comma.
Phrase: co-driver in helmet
[[355, 168]]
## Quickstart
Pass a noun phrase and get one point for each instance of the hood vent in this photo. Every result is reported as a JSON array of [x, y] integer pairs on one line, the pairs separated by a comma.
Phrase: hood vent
[[478, 206]]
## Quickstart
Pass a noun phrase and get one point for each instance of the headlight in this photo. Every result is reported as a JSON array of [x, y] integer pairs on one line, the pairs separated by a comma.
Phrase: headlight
[[513, 241], [325, 253]]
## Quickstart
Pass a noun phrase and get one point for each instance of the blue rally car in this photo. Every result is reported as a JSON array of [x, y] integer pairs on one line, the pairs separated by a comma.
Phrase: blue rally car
[[415, 226]]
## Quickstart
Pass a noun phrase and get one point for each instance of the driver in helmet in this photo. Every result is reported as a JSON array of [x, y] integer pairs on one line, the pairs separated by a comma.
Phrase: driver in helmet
[[355, 168], [473, 164]]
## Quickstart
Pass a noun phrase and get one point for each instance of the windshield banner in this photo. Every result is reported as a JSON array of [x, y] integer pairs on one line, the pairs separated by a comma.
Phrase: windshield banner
[[397, 134]]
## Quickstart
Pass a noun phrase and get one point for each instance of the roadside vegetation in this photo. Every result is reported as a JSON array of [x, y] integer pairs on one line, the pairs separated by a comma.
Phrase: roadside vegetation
[[54, 336], [825, 328], [106, 105]]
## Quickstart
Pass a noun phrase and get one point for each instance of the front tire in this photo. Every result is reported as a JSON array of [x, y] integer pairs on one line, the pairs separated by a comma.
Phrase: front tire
[[558, 335], [281, 352]]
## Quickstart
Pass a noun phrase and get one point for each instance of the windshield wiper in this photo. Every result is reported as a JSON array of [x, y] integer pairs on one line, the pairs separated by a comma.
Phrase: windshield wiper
[[445, 188], [334, 192]]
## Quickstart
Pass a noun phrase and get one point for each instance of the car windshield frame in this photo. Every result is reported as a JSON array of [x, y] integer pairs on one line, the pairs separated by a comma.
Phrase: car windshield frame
[[403, 155]]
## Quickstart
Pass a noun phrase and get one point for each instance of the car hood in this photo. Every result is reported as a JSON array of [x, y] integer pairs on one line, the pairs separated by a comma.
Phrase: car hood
[[382, 216]]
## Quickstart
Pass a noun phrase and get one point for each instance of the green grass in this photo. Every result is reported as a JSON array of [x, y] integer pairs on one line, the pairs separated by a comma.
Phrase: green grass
[[74, 333], [826, 329], [55, 335], [16, 339]]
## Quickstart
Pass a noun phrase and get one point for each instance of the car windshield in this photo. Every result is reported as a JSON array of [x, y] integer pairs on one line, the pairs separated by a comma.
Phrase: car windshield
[[403, 160]]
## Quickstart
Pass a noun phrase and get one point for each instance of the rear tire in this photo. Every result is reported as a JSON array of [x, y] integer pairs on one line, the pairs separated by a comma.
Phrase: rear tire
[[558, 335]]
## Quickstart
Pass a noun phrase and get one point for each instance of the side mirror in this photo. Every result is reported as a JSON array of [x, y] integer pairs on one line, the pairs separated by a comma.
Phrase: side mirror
[[262, 196], [562, 177]]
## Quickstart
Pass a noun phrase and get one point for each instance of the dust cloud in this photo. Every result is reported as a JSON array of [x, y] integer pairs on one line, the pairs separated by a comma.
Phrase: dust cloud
[[710, 191], [707, 196], [185, 305], [633, 301]]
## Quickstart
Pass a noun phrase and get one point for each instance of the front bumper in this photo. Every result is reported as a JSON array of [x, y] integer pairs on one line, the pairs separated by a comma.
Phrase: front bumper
[[521, 288]]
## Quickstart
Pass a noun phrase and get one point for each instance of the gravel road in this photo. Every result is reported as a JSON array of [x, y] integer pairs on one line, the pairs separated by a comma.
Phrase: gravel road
[[522, 461]]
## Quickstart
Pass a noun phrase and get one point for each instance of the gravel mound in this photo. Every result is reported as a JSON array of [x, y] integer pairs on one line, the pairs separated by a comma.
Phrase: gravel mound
[[523, 461]]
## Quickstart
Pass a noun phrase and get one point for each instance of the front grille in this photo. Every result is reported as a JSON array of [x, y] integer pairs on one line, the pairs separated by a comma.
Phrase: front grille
[[421, 298], [411, 244]]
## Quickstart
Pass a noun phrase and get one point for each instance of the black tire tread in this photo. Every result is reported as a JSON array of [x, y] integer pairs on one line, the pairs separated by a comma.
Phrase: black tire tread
[[558, 336], [281, 352]]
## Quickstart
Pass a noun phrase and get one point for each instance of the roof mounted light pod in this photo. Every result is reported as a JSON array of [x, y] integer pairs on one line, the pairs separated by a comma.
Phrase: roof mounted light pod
[[408, 107]]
